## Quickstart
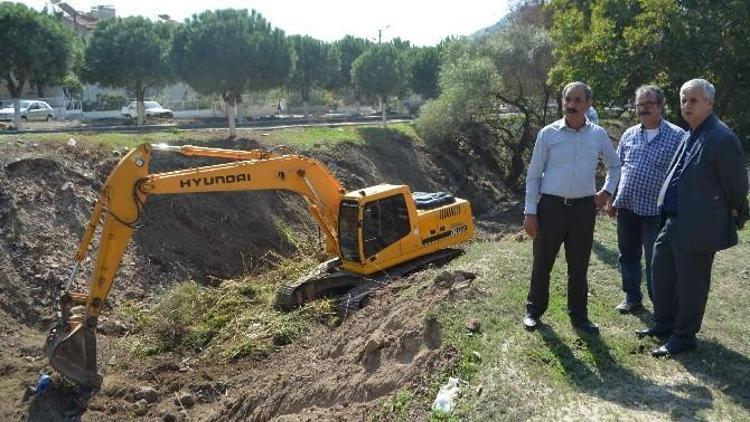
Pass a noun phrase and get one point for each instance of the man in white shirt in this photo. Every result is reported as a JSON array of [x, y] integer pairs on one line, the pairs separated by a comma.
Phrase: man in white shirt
[[561, 203]]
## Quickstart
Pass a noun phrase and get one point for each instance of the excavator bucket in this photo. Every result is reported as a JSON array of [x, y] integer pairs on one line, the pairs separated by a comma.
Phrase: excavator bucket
[[72, 352]]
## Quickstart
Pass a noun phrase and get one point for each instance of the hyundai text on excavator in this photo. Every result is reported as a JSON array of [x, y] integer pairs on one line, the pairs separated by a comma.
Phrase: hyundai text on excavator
[[371, 234]]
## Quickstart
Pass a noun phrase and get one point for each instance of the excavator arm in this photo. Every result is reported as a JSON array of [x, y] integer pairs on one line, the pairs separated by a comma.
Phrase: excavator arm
[[71, 345]]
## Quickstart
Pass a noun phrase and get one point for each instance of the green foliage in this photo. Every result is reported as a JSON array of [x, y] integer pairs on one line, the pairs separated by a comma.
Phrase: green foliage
[[465, 82], [481, 84], [380, 71], [112, 101], [229, 51], [316, 65], [34, 48], [618, 45], [129, 53], [425, 68], [72, 86], [349, 48]]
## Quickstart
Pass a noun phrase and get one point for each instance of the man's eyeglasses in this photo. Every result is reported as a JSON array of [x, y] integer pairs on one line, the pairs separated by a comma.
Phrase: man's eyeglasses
[[646, 104]]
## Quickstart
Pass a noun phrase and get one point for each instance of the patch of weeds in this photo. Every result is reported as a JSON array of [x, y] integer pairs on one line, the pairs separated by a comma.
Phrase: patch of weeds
[[321, 311], [249, 291], [441, 416], [134, 314], [250, 348], [397, 406], [141, 349]]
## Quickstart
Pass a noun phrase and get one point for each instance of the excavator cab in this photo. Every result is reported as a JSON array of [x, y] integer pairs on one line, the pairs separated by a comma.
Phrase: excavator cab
[[384, 225], [368, 227]]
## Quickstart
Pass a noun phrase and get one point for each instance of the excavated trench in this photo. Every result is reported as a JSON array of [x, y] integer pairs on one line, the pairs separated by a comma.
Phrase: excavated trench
[[47, 192]]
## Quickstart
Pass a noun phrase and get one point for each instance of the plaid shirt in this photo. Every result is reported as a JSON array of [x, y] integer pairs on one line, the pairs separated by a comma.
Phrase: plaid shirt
[[644, 166]]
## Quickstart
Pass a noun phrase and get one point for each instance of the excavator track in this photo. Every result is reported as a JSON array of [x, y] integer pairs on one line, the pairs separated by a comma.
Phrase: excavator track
[[348, 290]]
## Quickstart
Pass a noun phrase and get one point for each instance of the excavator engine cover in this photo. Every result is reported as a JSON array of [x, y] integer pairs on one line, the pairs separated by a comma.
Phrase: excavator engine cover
[[73, 353]]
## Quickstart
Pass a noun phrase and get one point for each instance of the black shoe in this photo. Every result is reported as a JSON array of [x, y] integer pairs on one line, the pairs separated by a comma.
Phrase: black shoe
[[627, 307], [530, 322], [586, 326], [672, 348], [653, 332]]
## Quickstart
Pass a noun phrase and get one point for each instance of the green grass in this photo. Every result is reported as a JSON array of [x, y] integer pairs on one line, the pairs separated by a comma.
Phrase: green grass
[[305, 138], [556, 373], [329, 136]]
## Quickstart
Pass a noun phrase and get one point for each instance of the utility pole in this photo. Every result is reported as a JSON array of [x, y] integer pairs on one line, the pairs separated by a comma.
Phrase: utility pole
[[380, 33]]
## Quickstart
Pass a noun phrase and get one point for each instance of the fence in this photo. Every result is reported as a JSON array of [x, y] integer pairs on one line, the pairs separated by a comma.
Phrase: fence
[[251, 107]]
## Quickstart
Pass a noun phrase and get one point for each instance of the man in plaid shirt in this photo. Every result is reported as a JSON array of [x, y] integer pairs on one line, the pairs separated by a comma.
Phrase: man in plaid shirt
[[645, 151]]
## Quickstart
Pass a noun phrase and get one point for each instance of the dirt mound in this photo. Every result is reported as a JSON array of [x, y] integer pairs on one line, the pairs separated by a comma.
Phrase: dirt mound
[[339, 373], [385, 347]]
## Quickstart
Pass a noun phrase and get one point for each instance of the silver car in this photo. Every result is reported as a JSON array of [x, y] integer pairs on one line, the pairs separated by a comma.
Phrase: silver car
[[151, 109], [30, 110]]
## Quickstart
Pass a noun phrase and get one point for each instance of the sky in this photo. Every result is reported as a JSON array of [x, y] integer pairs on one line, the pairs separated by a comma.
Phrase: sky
[[422, 22]]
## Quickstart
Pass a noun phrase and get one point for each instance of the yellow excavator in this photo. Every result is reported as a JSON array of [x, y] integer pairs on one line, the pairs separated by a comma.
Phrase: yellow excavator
[[371, 234]]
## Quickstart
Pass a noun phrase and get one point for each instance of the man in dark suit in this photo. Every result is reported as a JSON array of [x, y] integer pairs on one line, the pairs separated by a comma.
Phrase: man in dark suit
[[703, 203]]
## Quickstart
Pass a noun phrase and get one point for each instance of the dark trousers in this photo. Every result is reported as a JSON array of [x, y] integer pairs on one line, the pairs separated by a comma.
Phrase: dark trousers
[[681, 284], [573, 226], [635, 237]]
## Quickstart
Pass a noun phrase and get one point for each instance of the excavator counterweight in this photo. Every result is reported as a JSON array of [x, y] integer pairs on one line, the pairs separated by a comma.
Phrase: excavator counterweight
[[372, 234]]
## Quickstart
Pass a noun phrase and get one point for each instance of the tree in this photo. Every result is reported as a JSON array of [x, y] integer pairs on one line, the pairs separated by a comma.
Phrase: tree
[[380, 72], [316, 65], [130, 53], [349, 49], [617, 45], [590, 46], [229, 51], [425, 68], [493, 98], [34, 48]]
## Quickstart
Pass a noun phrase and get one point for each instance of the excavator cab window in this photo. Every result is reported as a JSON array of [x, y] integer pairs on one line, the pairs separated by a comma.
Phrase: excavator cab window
[[385, 221], [348, 230]]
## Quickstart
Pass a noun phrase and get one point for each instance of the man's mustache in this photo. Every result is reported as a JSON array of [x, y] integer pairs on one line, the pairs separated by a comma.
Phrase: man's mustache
[[644, 113], [571, 110]]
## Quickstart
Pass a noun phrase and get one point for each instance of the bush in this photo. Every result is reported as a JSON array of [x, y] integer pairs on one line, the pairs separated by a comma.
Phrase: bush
[[105, 102]]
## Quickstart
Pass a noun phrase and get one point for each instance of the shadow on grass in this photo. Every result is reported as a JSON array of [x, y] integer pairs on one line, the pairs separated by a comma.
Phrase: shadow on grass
[[608, 256], [645, 315], [723, 368], [602, 376], [379, 134]]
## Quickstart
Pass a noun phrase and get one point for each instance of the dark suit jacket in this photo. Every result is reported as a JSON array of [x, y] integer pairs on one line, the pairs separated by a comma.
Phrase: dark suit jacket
[[714, 182]]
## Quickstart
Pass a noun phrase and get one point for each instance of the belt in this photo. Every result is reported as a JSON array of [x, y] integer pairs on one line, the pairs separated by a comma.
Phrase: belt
[[569, 201]]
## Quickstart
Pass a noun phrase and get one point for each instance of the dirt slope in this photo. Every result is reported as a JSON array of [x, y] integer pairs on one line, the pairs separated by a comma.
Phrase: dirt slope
[[47, 192]]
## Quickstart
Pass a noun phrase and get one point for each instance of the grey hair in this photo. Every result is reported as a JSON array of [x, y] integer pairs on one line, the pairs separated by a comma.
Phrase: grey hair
[[643, 89], [708, 89], [578, 84]]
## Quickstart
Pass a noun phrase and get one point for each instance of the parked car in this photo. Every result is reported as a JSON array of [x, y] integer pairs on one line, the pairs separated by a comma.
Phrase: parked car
[[152, 109], [30, 110]]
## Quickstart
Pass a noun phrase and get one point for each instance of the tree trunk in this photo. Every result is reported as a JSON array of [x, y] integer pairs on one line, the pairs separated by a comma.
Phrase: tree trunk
[[305, 107], [15, 88], [17, 113], [140, 92], [231, 110], [382, 108]]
